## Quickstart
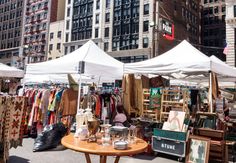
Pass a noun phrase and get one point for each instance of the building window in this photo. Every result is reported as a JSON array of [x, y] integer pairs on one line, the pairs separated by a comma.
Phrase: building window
[[51, 36], [50, 47], [106, 44], [68, 12], [117, 3], [145, 26], [234, 10], [106, 32], [216, 10], [69, 2], [97, 19], [175, 5], [72, 48], [146, 9], [211, 10], [66, 50], [67, 37], [67, 24], [59, 34], [97, 4], [108, 2], [96, 33], [223, 16], [107, 17], [145, 42], [223, 9], [58, 46]]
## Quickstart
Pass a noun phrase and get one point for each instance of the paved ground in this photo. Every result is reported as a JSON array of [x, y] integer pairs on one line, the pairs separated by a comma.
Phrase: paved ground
[[25, 154]]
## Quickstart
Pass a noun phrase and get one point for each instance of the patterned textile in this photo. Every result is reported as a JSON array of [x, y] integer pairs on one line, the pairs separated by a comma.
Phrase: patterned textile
[[12, 120], [2, 116], [17, 120]]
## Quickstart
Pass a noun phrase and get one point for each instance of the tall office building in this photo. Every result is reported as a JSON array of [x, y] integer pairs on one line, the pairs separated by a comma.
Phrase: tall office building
[[129, 29], [11, 20], [231, 32], [186, 17], [213, 28], [38, 16]]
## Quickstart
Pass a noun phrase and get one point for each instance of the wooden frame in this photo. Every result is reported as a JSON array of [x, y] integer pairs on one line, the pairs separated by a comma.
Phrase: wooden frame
[[227, 94], [199, 151]]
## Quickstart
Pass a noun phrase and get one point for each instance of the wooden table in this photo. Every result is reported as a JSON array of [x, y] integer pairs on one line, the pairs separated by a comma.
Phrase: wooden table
[[103, 151]]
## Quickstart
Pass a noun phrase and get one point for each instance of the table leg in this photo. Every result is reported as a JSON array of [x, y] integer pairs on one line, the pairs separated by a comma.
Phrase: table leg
[[87, 158], [117, 159], [103, 159]]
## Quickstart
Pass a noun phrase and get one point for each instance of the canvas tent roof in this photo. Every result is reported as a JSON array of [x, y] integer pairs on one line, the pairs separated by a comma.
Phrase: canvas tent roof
[[7, 71], [181, 61], [98, 64]]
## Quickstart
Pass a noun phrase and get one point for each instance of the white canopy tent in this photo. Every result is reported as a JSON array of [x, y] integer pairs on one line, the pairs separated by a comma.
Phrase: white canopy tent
[[98, 64], [7, 71], [182, 62]]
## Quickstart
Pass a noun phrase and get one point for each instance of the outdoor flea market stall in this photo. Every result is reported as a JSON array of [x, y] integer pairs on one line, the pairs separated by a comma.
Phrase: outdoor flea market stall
[[179, 108], [11, 126], [108, 104]]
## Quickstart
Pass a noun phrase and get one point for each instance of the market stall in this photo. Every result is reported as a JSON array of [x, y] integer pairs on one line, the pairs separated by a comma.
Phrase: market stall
[[7, 71], [97, 64], [187, 63], [183, 62], [87, 64], [12, 111]]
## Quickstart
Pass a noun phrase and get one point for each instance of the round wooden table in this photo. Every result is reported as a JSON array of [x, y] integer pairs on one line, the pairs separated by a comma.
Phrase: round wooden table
[[103, 151]]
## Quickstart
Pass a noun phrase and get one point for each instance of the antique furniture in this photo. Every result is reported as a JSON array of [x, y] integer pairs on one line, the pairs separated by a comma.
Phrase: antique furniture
[[103, 151]]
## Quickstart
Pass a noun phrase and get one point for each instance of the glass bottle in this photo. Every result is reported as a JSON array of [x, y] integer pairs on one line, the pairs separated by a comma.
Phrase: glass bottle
[[80, 118], [88, 115]]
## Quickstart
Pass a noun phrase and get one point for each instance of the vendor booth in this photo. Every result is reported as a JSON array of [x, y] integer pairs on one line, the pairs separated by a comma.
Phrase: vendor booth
[[7, 71], [97, 64], [183, 62], [11, 126]]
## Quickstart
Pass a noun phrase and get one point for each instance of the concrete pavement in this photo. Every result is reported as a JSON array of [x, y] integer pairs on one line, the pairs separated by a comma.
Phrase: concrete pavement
[[25, 154]]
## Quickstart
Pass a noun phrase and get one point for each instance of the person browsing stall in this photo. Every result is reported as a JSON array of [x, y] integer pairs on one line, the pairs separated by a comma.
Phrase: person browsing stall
[[221, 106]]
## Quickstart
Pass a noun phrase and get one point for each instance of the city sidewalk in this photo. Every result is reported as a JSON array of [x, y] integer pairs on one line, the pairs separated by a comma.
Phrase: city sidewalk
[[25, 154]]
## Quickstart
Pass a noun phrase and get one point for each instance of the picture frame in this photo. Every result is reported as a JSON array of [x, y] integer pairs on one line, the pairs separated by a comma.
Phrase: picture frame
[[197, 149], [228, 95]]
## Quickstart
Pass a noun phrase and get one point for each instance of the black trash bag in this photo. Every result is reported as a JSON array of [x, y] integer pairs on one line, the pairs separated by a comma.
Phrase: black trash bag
[[50, 137]]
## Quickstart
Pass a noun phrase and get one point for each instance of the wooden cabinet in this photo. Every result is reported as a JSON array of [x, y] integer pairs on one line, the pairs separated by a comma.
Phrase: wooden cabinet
[[204, 127], [173, 99]]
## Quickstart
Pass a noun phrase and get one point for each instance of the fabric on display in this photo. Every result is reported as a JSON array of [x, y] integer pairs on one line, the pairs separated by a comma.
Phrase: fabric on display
[[215, 86], [68, 104], [126, 92], [138, 95], [145, 82], [13, 111], [131, 81], [155, 98]]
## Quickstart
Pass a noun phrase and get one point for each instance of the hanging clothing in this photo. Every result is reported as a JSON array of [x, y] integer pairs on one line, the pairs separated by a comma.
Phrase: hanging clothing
[[68, 105]]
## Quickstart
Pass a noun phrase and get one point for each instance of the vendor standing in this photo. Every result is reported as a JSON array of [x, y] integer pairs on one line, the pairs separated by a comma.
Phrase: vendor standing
[[221, 107]]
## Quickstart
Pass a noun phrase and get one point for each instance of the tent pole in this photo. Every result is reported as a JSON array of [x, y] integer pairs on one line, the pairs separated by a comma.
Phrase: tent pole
[[210, 95], [79, 92]]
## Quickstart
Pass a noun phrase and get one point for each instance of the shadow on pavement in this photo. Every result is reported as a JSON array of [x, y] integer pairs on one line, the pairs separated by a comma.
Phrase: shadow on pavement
[[171, 157], [144, 157], [16, 159]]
